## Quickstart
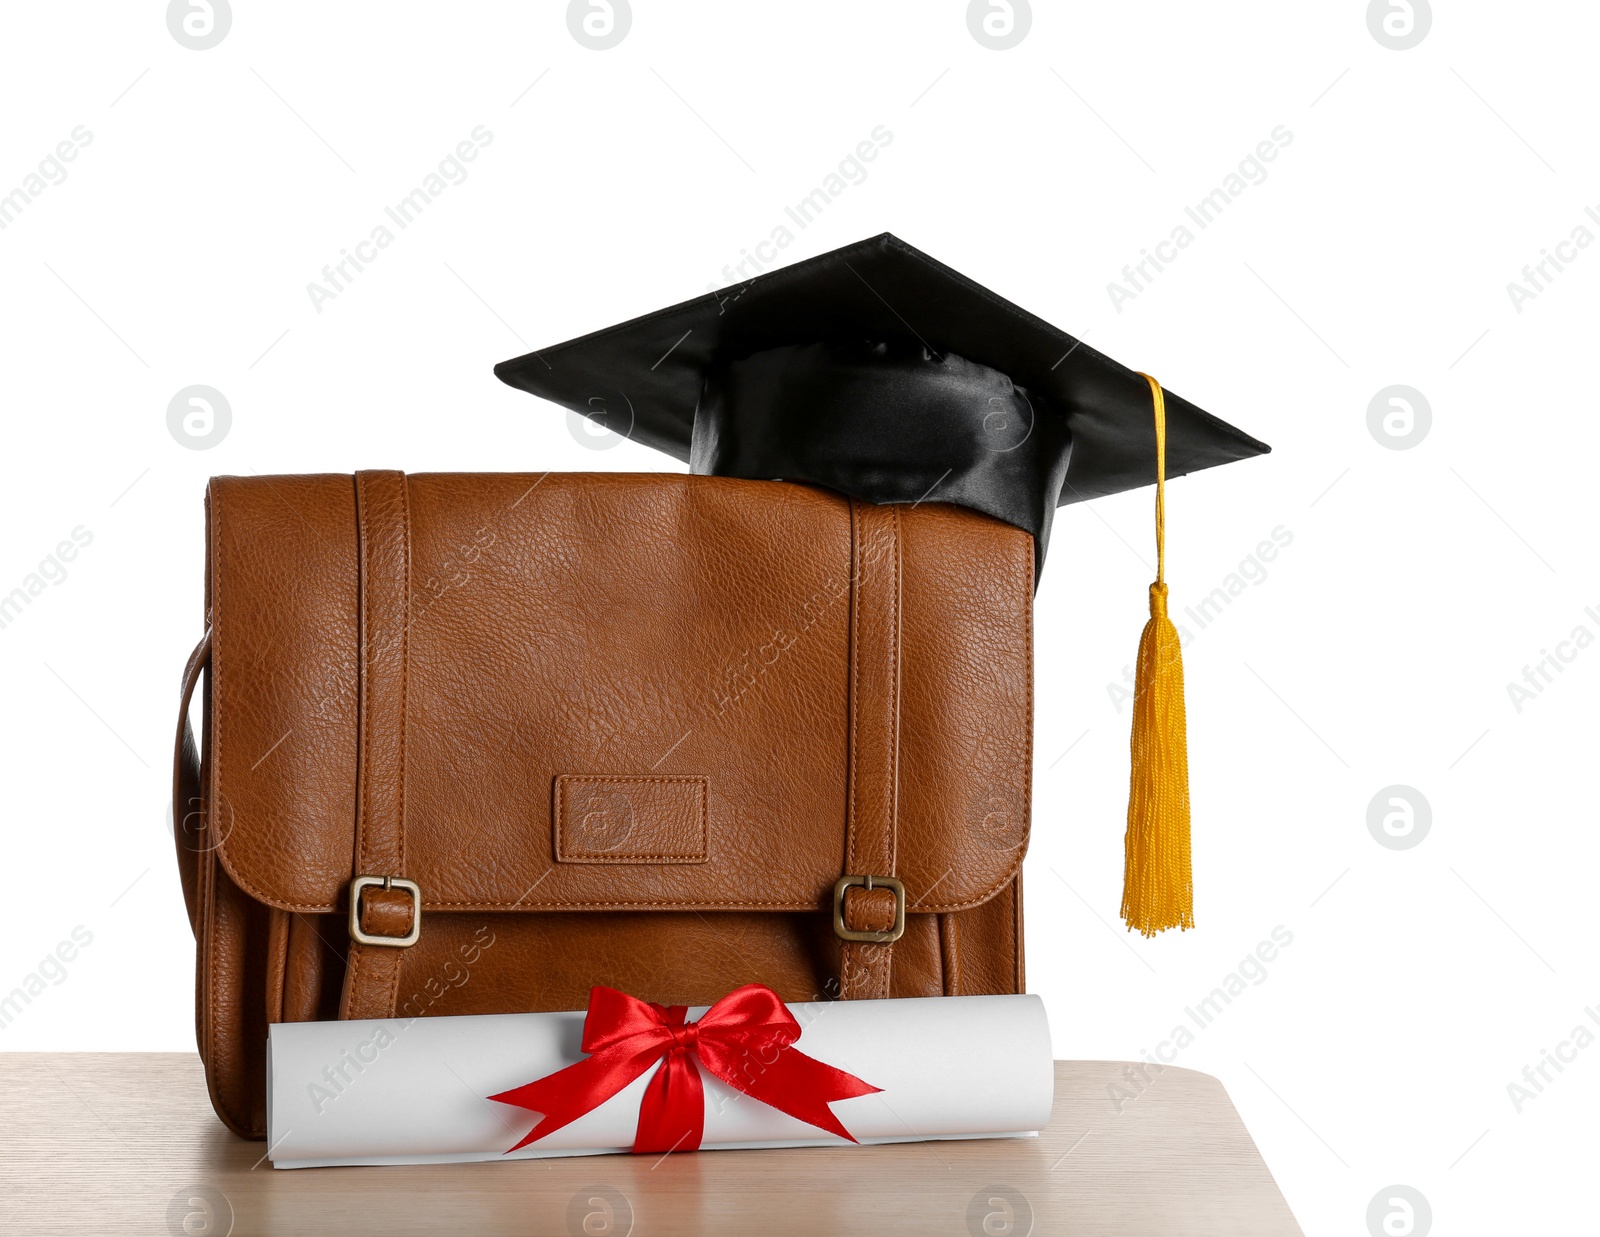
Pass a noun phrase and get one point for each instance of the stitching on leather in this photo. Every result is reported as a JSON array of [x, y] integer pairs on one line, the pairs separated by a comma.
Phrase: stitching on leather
[[848, 960], [405, 676], [628, 856], [352, 980], [855, 685], [555, 823], [214, 553], [954, 953], [278, 947], [581, 903], [881, 958], [633, 904], [627, 777], [700, 783], [214, 1079], [261, 895], [490, 907], [683, 904], [560, 815], [1026, 576], [892, 735], [358, 959], [942, 941], [860, 966], [213, 1071], [355, 955], [394, 983], [364, 671], [208, 880], [1018, 961], [498, 905]]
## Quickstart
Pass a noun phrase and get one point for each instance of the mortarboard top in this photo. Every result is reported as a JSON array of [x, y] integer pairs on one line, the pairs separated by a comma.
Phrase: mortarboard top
[[878, 372]]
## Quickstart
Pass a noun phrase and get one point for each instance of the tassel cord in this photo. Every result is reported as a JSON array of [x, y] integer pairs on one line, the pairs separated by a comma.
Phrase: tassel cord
[[1157, 878]]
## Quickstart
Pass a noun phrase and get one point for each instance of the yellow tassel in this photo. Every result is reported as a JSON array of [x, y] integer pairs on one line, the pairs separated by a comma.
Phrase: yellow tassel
[[1157, 888]]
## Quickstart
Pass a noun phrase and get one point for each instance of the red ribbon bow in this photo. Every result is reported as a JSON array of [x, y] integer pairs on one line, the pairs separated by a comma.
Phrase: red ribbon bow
[[746, 1039]]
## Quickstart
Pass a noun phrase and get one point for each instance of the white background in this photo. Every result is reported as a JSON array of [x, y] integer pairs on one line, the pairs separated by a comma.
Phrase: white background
[[1376, 651]]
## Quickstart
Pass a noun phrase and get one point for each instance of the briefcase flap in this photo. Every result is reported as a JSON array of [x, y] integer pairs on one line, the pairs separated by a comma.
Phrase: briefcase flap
[[620, 691]]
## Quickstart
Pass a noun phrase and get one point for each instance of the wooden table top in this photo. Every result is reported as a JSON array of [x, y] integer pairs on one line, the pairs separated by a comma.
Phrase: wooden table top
[[127, 1143]]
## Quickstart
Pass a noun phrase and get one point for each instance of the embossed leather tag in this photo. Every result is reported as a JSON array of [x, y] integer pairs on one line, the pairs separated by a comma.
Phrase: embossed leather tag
[[630, 819]]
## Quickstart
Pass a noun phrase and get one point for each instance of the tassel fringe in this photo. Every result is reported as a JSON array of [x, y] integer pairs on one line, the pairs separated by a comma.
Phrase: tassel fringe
[[1157, 883], [1158, 888]]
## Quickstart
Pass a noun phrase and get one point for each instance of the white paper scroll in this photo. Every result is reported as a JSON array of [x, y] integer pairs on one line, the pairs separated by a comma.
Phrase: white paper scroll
[[415, 1092]]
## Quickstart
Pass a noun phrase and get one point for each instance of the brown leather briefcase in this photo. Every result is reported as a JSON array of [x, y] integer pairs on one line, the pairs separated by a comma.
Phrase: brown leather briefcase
[[475, 743]]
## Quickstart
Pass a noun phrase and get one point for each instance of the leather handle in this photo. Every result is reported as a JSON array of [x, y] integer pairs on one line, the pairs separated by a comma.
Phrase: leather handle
[[188, 802]]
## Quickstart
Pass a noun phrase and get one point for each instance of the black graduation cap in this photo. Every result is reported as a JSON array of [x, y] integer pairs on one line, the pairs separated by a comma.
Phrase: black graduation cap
[[878, 372]]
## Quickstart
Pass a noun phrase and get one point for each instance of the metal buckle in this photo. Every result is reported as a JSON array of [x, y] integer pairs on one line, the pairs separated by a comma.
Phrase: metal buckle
[[386, 882], [869, 882]]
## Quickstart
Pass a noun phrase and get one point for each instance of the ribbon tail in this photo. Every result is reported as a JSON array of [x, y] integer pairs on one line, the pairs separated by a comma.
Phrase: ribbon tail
[[564, 1096], [672, 1113], [783, 1077]]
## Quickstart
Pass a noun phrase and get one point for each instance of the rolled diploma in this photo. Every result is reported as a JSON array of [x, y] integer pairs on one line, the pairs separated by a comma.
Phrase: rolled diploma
[[400, 1091]]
